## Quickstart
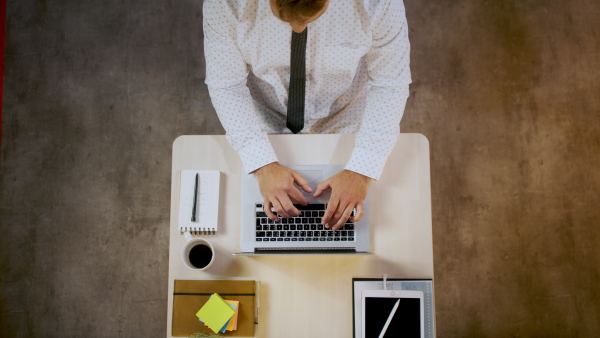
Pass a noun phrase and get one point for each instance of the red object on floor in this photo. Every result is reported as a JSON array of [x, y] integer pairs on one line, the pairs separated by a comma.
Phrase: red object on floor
[[2, 36]]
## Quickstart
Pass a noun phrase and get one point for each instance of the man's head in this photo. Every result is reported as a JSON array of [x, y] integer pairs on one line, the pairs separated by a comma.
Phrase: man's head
[[299, 13]]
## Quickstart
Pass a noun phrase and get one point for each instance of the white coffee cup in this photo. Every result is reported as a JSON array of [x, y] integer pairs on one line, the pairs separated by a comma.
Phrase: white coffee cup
[[197, 253]]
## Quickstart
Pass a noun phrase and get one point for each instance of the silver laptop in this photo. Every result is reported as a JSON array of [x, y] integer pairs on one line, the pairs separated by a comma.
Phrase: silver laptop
[[303, 234]]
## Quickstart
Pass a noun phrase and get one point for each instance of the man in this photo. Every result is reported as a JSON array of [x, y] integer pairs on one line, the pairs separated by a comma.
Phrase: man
[[357, 77]]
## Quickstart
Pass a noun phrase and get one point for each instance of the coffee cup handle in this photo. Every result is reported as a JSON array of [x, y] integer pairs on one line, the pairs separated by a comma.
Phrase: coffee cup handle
[[188, 236]]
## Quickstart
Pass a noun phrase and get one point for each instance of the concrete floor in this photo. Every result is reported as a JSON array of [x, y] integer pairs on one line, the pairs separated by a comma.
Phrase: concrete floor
[[508, 93]]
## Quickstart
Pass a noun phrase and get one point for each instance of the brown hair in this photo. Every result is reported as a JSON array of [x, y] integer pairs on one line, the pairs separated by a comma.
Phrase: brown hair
[[298, 10]]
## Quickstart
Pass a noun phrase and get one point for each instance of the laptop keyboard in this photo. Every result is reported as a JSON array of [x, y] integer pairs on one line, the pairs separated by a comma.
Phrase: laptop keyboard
[[305, 227]]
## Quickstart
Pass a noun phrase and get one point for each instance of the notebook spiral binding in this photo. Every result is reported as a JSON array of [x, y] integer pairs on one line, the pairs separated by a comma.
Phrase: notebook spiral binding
[[198, 231]]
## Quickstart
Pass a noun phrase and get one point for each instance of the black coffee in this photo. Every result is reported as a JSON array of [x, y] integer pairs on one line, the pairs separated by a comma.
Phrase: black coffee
[[200, 256]]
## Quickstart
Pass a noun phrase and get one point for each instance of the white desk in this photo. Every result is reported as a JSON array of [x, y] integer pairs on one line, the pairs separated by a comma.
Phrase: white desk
[[311, 295]]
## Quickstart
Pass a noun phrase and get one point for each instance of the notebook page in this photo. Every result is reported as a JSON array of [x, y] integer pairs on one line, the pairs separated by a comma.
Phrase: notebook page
[[207, 200]]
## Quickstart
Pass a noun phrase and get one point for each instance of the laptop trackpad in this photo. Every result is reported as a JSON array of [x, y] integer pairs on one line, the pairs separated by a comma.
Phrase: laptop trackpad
[[314, 177]]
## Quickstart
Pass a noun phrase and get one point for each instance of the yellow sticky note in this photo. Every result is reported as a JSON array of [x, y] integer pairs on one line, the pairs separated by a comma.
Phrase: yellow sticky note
[[233, 322], [215, 313]]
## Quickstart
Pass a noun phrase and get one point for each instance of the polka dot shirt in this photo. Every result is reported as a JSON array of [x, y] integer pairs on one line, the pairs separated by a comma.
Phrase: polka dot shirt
[[357, 65]]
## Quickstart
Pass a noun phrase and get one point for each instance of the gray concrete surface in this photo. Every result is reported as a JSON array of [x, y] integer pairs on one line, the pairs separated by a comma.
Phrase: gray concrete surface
[[508, 93]]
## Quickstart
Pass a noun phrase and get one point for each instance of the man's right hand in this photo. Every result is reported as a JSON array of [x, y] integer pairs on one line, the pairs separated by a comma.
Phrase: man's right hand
[[276, 184]]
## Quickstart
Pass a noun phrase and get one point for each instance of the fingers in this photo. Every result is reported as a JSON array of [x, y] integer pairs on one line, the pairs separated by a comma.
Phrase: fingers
[[343, 216], [286, 207], [337, 214], [349, 190], [267, 209], [276, 184], [339, 211], [360, 211], [323, 186], [331, 208], [283, 205], [301, 182], [283, 208], [298, 197]]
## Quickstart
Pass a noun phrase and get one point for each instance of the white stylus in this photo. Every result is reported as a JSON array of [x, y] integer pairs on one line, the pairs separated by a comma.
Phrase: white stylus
[[389, 320]]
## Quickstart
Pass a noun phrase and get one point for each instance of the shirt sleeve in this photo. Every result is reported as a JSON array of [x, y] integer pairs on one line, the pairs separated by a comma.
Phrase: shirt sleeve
[[226, 78], [389, 77]]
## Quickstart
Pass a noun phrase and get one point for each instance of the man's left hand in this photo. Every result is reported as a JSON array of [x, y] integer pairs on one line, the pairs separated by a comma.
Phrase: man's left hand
[[348, 191]]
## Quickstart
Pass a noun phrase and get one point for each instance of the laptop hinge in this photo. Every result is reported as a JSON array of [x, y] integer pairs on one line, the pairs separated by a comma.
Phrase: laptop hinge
[[305, 250]]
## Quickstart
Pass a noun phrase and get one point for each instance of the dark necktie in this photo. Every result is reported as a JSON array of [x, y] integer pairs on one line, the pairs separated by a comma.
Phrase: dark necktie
[[295, 111]]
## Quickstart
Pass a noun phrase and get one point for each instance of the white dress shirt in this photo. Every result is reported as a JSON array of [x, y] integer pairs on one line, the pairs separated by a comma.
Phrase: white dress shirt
[[357, 66]]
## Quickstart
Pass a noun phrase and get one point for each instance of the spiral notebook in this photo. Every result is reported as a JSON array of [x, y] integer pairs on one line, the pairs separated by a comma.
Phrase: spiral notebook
[[199, 201]]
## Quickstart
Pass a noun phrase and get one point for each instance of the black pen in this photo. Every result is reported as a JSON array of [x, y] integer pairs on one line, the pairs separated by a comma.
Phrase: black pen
[[195, 200]]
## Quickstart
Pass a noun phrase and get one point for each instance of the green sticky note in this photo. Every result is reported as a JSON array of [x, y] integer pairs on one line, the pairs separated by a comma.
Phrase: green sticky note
[[215, 313]]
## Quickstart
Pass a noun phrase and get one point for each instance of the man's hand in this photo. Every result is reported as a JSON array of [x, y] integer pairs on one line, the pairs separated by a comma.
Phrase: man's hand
[[349, 190], [276, 184]]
